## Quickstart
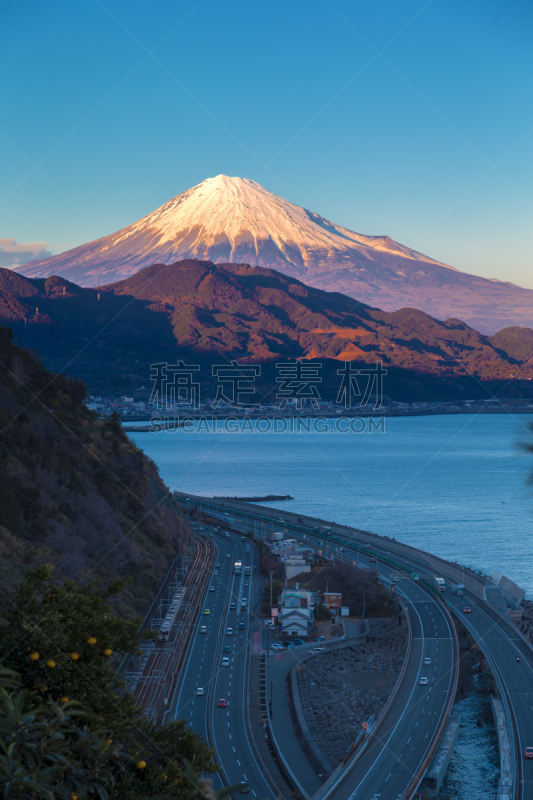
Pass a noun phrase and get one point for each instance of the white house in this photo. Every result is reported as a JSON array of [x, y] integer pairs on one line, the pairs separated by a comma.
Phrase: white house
[[297, 611]]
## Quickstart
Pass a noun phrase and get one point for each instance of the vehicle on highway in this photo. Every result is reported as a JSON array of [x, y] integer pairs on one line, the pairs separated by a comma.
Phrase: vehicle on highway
[[300, 519], [373, 560], [227, 555], [211, 588], [424, 681], [242, 626], [222, 703], [368, 545], [226, 514], [341, 549], [528, 752], [518, 658], [200, 692], [225, 661], [246, 583], [317, 530], [243, 539], [227, 535], [216, 572], [243, 787], [298, 641], [427, 662], [207, 611], [244, 601], [203, 629], [318, 650], [320, 639], [288, 645], [466, 610], [229, 631], [232, 607], [227, 648], [276, 646]]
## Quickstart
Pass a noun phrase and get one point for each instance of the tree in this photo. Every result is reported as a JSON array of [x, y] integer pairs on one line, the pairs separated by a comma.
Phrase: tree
[[69, 729]]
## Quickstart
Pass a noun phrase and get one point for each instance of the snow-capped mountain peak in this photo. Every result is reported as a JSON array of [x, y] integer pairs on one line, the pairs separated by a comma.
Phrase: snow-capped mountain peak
[[225, 219]]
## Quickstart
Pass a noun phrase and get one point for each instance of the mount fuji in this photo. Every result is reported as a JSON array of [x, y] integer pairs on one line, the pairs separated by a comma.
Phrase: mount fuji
[[227, 219]]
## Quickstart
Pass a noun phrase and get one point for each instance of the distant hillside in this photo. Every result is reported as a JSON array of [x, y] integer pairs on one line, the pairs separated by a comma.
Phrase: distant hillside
[[207, 313], [231, 219], [75, 491]]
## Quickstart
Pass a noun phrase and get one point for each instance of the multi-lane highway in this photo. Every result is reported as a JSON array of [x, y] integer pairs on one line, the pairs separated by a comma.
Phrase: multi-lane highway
[[387, 767], [499, 640], [401, 745], [229, 599]]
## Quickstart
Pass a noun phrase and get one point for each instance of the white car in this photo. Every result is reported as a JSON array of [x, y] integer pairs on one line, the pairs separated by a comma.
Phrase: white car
[[276, 646], [427, 662], [225, 661], [203, 629], [211, 588], [318, 650], [200, 692], [229, 631], [424, 681]]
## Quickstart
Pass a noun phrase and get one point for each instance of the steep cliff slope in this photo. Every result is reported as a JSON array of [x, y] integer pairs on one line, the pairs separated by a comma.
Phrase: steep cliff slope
[[74, 490]]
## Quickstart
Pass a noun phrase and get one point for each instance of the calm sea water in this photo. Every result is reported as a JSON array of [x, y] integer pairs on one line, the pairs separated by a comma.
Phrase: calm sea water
[[454, 485]]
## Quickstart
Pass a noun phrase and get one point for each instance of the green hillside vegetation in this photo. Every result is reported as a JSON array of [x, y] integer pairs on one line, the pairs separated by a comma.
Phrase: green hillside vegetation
[[75, 491], [68, 730]]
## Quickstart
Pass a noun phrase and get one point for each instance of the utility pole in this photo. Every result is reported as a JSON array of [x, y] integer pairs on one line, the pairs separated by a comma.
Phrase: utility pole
[[271, 573]]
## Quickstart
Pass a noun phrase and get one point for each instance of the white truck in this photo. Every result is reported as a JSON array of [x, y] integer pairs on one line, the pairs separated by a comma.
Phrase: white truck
[[440, 584], [458, 588], [277, 536]]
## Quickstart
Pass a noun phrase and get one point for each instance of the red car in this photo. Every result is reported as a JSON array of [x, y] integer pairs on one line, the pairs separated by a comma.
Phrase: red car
[[466, 610], [528, 753], [373, 560], [222, 704]]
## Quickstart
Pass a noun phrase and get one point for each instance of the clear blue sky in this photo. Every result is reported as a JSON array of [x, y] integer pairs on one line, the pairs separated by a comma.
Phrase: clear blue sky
[[407, 118]]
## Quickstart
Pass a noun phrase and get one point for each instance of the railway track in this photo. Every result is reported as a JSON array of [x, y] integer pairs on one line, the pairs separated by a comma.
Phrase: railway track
[[163, 659]]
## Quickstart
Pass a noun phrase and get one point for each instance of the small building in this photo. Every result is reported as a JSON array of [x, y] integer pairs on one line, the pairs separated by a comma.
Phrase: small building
[[333, 599], [297, 611], [294, 565]]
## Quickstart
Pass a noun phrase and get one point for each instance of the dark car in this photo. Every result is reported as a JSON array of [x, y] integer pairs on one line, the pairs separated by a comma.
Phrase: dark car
[[298, 641], [288, 645], [320, 639], [243, 787], [466, 610], [300, 519], [227, 648], [242, 626]]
